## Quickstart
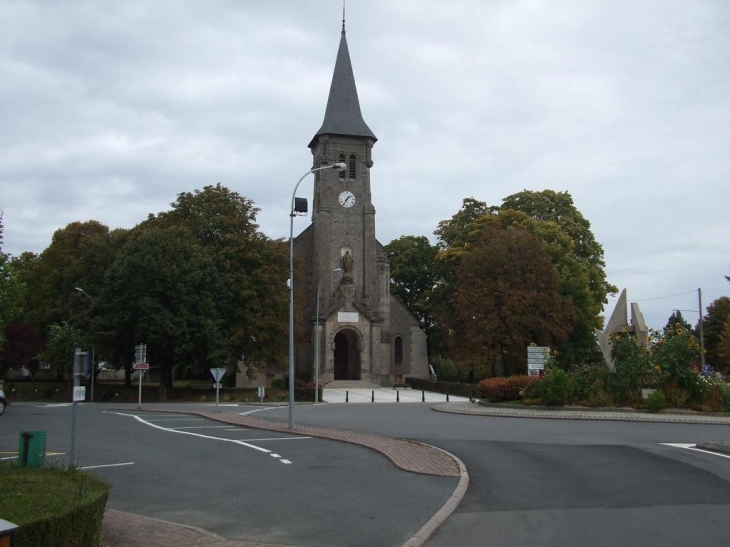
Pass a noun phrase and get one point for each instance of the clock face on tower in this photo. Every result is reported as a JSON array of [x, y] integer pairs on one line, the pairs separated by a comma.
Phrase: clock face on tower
[[347, 199]]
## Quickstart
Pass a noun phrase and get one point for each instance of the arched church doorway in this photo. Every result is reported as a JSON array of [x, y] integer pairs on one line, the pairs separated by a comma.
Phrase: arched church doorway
[[347, 355]]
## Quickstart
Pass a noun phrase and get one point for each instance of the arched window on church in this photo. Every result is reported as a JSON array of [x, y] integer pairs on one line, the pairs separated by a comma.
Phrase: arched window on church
[[398, 349], [353, 163], [342, 160]]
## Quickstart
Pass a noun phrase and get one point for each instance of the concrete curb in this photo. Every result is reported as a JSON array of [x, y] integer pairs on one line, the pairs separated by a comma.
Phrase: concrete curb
[[428, 529], [580, 414]]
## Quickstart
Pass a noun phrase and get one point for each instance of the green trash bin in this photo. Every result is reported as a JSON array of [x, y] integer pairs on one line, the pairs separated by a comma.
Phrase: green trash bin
[[32, 449]]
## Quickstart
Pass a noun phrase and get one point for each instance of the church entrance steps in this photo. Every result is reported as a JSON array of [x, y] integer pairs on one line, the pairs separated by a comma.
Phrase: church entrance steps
[[351, 384], [384, 395]]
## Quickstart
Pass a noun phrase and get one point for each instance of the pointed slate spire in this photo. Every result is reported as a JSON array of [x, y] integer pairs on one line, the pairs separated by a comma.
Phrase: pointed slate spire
[[343, 116]]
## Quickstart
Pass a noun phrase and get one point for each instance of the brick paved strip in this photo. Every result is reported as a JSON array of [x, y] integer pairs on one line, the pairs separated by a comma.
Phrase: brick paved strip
[[406, 455], [122, 529]]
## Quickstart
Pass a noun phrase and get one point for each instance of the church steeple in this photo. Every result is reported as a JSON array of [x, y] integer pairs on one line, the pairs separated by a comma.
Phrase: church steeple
[[343, 116]]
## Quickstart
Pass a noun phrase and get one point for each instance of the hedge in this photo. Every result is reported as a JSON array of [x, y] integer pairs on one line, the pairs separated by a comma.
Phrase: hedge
[[503, 389], [53, 507]]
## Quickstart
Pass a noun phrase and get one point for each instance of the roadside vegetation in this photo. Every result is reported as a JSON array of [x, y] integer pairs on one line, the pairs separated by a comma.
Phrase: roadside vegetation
[[53, 507], [204, 288]]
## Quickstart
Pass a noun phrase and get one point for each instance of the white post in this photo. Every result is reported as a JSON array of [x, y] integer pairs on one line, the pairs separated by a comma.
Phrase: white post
[[141, 372]]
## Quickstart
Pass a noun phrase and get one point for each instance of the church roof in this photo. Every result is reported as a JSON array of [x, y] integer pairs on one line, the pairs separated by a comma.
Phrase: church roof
[[343, 116]]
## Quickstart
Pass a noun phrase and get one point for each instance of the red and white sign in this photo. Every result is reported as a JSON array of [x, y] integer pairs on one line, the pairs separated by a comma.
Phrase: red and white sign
[[141, 366]]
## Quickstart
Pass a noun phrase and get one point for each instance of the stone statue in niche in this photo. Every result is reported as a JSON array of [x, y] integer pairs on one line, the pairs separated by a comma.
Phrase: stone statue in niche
[[347, 268]]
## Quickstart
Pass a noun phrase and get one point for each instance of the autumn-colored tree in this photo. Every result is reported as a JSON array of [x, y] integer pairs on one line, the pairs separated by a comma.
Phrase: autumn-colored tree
[[22, 348], [506, 297]]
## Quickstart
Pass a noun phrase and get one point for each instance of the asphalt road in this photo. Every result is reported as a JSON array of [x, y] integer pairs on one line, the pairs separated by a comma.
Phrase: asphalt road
[[241, 484], [562, 482]]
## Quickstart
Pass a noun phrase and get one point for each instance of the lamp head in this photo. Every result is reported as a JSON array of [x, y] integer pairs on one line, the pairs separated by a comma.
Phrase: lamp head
[[339, 166]]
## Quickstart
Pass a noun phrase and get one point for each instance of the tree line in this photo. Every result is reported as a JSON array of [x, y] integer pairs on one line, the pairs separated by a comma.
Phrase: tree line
[[203, 287]]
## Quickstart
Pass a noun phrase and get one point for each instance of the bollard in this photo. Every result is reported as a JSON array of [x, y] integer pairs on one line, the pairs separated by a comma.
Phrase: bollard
[[347, 396], [423, 396], [397, 396], [447, 396], [372, 396]]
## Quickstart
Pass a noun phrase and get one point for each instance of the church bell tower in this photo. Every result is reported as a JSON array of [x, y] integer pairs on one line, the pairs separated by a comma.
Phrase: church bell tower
[[354, 334]]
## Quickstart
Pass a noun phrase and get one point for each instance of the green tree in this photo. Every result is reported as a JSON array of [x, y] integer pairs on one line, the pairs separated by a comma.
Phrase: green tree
[[10, 289], [718, 313], [162, 290], [63, 339], [414, 277], [577, 258], [677, 320], [252, 268], [507, 296], [78, 256], [558, 207]]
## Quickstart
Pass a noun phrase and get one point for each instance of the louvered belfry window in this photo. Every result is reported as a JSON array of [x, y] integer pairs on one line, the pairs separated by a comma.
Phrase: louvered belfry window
[[353, 163], [342, 160]]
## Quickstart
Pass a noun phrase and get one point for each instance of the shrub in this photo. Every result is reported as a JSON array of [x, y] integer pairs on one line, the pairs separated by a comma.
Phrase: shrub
[[556, 388], [534, 392], [711, 393], [503, 389], [656, 401], [676, 397], [452, 388], [587, 383], [445, 369]]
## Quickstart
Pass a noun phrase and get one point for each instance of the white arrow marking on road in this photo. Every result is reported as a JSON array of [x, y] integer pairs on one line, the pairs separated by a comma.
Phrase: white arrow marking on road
[[692, 446], [196, 434]]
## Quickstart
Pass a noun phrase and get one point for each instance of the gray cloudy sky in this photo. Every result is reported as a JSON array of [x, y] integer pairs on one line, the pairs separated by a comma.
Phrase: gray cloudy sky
[[109, 109]]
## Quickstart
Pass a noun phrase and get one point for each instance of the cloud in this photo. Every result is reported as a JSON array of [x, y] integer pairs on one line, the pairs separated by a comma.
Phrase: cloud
[[111, 109]]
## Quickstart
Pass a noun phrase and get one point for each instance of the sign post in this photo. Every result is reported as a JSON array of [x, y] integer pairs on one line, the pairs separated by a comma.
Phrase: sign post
[[140, 364], [79, 394], [217, 376], [537, 356]]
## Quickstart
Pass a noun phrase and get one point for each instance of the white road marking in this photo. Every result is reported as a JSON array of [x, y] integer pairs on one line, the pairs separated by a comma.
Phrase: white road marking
[[274, 455], [200, 427], [692, 446], [236, 429], [107, 465], [253, 411], [9, 458], [285, 461], [155, 419], [55, 405], [278, 439], [258, 448]]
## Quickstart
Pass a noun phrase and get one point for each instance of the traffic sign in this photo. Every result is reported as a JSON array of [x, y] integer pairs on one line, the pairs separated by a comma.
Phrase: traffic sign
[[217, 373], [79, 393], [141, 366]]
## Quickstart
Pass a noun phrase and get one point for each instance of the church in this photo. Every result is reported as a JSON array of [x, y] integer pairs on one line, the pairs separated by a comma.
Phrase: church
[[365, 336]]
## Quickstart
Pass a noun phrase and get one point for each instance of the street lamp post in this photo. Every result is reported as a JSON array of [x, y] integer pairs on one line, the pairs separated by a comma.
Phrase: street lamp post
[[339, 167], [316, 330], [93, 364]]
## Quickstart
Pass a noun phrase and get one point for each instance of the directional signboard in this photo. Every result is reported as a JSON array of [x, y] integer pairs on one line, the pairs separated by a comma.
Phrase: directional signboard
[[537, 356], [141, 366]]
